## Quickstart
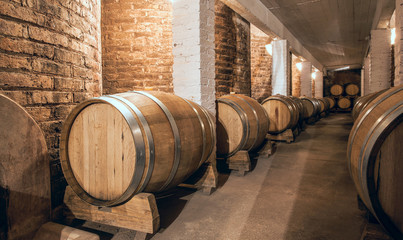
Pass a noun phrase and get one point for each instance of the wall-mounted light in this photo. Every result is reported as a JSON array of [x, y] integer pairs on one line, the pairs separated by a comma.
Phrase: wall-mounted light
[[269, 49], [393, 36], [299, 66], [313, 75], [341, 69]]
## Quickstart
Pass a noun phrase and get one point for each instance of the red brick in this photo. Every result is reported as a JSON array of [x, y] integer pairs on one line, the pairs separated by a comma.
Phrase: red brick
[[11, 28], [51, 67], [12, 79]]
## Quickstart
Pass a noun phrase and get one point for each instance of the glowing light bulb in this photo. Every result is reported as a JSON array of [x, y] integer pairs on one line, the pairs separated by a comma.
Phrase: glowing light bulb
[[393, 36], [269, 49], [299, 66], [313, 75]]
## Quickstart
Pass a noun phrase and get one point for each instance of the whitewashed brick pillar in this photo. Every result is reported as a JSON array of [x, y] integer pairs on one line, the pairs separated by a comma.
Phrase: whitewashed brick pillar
[[365, 84], [281, 82], [319, 85], [193, 50], [362, 81], [306, 79], [380, 60]]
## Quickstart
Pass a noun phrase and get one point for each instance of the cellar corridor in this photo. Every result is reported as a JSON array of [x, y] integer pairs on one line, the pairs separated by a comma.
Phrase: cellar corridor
[[303, 191]]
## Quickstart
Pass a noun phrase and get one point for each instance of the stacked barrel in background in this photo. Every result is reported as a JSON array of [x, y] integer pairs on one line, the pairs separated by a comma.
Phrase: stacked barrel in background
[[375, 156], [344, 96]]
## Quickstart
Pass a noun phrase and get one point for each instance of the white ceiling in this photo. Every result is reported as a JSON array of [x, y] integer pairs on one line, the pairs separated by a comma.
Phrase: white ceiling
[[336, 32]]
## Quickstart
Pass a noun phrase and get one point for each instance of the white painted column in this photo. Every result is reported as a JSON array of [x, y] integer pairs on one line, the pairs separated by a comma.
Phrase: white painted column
[[380, 60], [319, 85], [281, 83], [193, 50], [306, 79], [362, 81]]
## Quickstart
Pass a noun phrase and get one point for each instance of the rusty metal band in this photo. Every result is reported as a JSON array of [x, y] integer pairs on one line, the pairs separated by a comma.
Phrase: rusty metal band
[[372, 136], [175, 132], [257, 120], [203, 128], [212, 130], [244, 121], [149, 136], [358, 124]]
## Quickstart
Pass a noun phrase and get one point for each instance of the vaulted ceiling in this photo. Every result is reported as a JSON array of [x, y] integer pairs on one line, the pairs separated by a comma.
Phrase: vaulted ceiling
[[336, 32]]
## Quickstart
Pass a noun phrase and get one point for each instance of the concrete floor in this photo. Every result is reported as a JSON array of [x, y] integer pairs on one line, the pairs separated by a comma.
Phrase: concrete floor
[[303, 191]]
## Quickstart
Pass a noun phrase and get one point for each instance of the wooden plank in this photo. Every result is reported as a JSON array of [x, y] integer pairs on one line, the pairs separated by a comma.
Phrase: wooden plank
[[374, 232], [54, 231], [140, 213], [287, 136], [24, 171], [240, 163]]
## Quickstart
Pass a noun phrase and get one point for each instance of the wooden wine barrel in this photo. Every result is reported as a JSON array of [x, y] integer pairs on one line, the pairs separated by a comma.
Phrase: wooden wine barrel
[[300, 107], [375, 158], [352, 89], [242, 124], [343, 103], [363, 101], [311, 107], [317, 103], [331, 102], [115, 146], [324, 105], [336, 90], [282, 111]]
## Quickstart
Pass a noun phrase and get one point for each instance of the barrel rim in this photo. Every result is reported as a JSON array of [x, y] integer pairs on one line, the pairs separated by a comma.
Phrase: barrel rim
[[68, 171], [257, 119], [373, 142], [313, 104], [245, 124], [203, 128], [212, 130], [362, 116]]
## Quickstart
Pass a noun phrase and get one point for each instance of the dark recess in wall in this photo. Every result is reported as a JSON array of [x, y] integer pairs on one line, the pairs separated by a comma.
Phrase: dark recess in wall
[[342, 78]]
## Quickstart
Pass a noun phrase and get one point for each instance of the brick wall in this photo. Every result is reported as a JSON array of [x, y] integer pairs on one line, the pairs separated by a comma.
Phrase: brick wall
[[261, 64], [49, 62], [295, 77], [232, 38], [136, 45]]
